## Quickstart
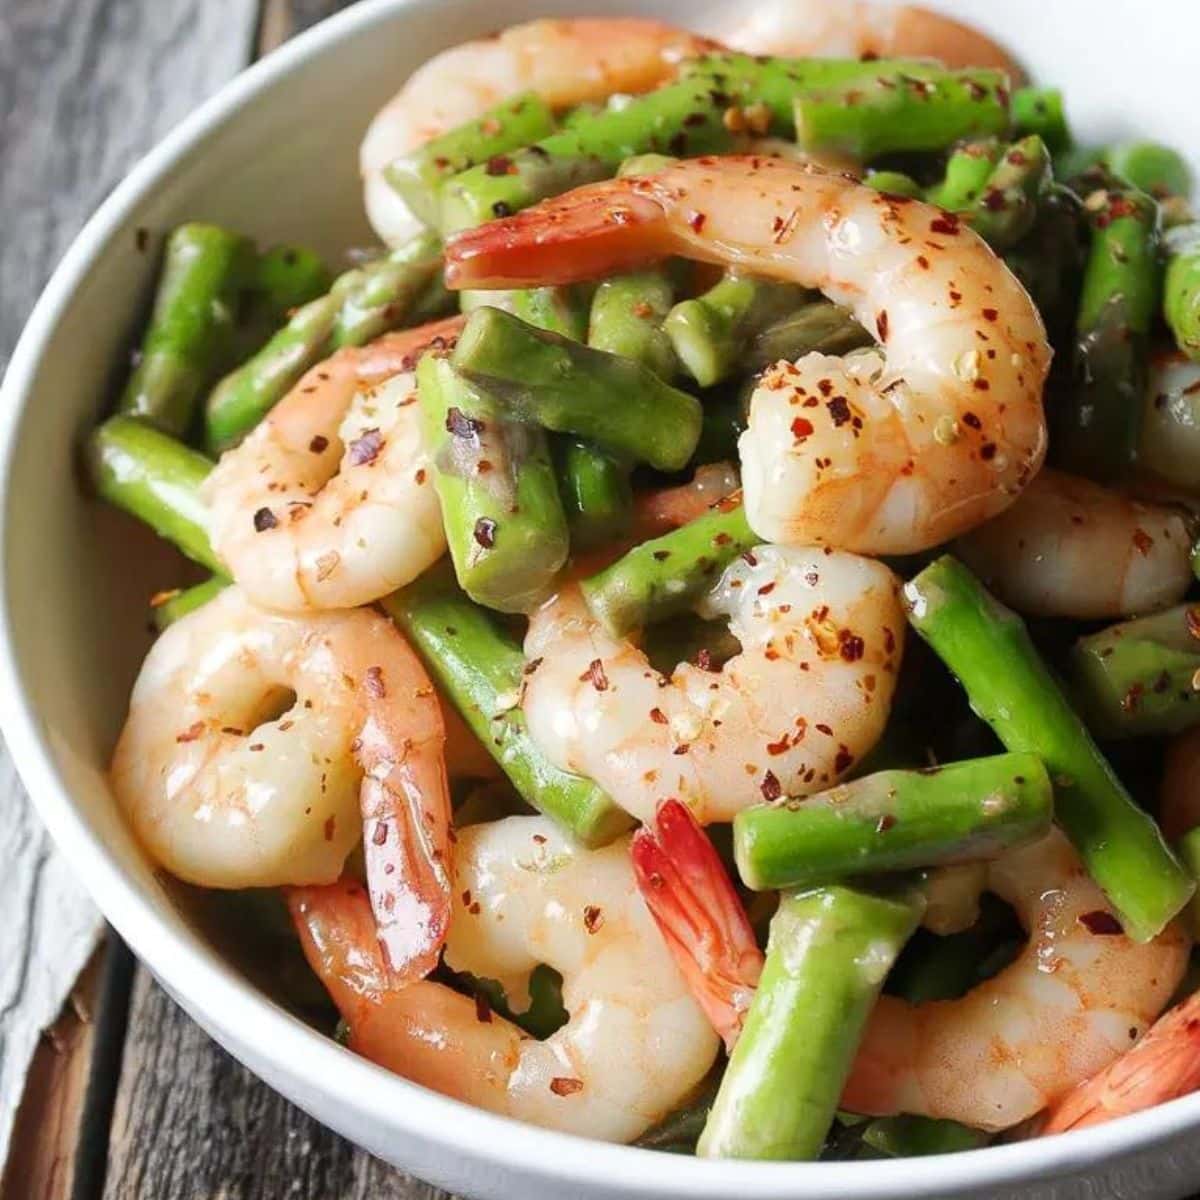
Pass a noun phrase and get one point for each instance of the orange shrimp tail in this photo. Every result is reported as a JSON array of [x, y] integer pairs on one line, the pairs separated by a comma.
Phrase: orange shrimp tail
[[584, 234], [1164, 1065], [336, 928], [689, 892]]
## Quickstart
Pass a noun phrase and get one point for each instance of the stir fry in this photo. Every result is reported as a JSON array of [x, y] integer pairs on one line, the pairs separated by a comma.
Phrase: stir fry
[[698, 637]]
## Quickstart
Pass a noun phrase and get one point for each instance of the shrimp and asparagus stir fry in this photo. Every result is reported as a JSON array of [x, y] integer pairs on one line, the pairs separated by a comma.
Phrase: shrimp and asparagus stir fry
[[700, 635]]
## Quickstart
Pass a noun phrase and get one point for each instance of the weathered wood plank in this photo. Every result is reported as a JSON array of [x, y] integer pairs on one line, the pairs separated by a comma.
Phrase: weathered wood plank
[[190, 1121]]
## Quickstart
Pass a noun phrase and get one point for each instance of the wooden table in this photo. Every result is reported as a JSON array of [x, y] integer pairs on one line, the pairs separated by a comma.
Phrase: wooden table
[[128, 1099]]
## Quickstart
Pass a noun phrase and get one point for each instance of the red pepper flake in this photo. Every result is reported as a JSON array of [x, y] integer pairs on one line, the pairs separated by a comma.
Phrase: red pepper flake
[[420, 476], [704, 659], [191, 733], [658, 716], [850, 645], [565, 1085], [839, 410], [661, 555], [881, 324], [1191, 619], [1101, 922], [595, 674], [1132, 699], [842, 759], [531, 666], [483, 1009], [922, 262], [593, 917], [501, 209], [500, 164], [970, 419], [696, 221], [944, 223], [770, 786], [825, 386], [987, 451], [801, 428], [643, 310], [373, 683], [821, 727], [380, 836], [264, 519], [774, 749], [330, 827], [365, 448], [885, 822], [767, 588], [485, 532], [460, 425], [1143, 541], [990, 314], [748, 557], [319, 444]]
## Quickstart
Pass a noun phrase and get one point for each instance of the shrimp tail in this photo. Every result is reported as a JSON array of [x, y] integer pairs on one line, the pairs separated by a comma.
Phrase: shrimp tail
[[1163, 1066], [592, 231], [689, 892], [337, 934]]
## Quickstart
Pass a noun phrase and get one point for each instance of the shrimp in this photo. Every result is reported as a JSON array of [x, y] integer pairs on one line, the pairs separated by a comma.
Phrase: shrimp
[[564, 61], [1169, 441], [1071, 548], [1074, 1000], [821, 635], [888, 451], [259, 749], [329, 503], [860, 29], [1162, 1066], [635, 1044]]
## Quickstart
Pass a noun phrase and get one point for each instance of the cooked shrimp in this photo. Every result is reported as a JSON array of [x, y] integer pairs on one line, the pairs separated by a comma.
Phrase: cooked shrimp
[[808, 696], [858, 29], [1071, 548], [1169, 441], [1179, 794], [329, 503], [886, 451], [1162, 1066], [564, 61], [259, 749], [635, 1044]]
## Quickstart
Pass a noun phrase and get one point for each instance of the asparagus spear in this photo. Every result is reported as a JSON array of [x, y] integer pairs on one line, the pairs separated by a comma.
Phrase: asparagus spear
[[178, 604], [627, 318], [909, 1136], [419, 175], [1140, 677], [1151, 167], [360, 305], [1181, 287], [724, 422], [556, 309], [989, 649], [481, 669], [285, 277], [710, 333], [1098, 419], [205, 270], [1008, 206], [894, 183], [667, 575], [596, 493], [895, 821], [1169, 440], [504, 521], [157, 479], [819, 325], [1040, 111], [827, 955], [967, 171], [566, 387]]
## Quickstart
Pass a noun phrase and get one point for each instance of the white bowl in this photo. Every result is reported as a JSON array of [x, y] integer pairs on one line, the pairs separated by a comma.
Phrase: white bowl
[[274, 154]]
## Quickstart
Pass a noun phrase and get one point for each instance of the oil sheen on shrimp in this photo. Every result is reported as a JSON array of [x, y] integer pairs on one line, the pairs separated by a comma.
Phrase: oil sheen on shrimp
[[329, 503], [822, 636], [1071, 548], [635, 1043], [887, 451], [564, 61], [260, 749]]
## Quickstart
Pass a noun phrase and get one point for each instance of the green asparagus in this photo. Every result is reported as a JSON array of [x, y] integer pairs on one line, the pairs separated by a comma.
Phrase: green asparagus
[[566, 387], [1181, 287], [285, 277], [911, 1137], [989, 649], [500, 505], [627, 318], [172, 606], [818, 325], [1006, 209], [1040, 111], [895, 821], [556, 309], [205, 271], [894, 183], [596, 493], [481, 670], [1150, 167], [828, 953], [967, 171]]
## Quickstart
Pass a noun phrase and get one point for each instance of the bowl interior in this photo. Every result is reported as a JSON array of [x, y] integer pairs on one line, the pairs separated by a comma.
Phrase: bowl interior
[[275, 156]]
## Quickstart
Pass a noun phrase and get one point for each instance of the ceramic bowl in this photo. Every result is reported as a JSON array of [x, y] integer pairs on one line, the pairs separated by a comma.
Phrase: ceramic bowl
[[274, 154]]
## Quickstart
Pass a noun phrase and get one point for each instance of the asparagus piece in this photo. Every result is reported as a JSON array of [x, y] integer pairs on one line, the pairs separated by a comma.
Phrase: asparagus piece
[[155, 478], [645, 164], [895, 821], [827, 955], [1098, 419], [724, 422], [556, 309], [1008, 206], [285, 277], [360, 305], [1151, 167], [1040, 111], [711, 332], [1169, 440], [683, 118], [175, 605], [967, 171], [419, 175], [596, 493], [627, 318], [566, 387], [819, 325], [911, 1136], [504, 521], [989, 649], [1181, 287], [205, 270], [894, 183], [1140, 677], [667, 575], [481, 669]]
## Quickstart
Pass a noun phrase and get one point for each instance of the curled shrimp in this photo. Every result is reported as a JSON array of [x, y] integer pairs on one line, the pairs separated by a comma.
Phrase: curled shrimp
[[886, 451], [859, 29], [1162, 1066], [808, 696], [1071, 548], [635, 1043], [329, 502], [261, 748], [564, 61]]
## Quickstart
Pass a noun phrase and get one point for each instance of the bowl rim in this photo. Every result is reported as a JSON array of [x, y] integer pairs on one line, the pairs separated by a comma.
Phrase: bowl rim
[[224, 1001]]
